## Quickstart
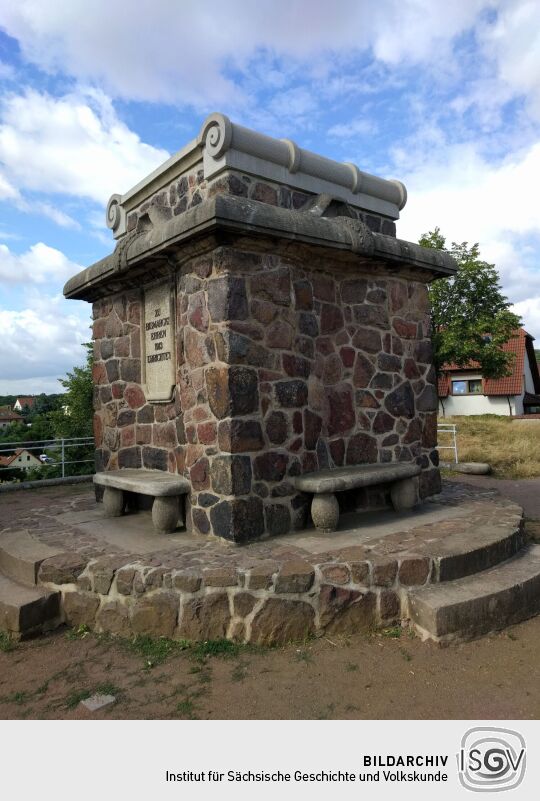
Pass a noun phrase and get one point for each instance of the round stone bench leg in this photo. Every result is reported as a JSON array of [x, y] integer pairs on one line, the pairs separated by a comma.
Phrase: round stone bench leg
[[113, 502], [325, 511], [404, 494], [165, 514]]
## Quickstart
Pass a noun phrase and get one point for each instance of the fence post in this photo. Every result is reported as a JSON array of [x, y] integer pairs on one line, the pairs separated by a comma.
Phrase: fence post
[[63, 457]]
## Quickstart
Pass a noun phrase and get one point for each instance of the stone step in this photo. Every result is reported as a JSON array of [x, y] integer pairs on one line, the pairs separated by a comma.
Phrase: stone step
[[27, 610], [484, 602], [21, 556], [473, 551]]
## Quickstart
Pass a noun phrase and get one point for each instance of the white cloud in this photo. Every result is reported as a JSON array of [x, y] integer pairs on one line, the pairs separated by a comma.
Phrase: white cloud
[[72, 145], [37, 265], [180, 51], [513, 44], [41, 342], [473, 200], [360, 126]]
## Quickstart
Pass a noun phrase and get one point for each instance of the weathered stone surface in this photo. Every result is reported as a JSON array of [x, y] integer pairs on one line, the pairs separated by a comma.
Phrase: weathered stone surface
[[273, 285], [400, 402], [243, 603], [113, 618], [227, 298], [281, 621], [187, 581], [80, 608], [238, 436], [280, 335], [389, 607], [295, 576], [413, 570], [278, 519], [344, 611], [362, 448], [234, 348], [261, 575], [312, 428], [404, 494], [291, 394], [384, 573], [124, 580], [341, 416], [360, 572], [472, 468], [354, 290], [205, 618], [220, 577], [62, 569], [155, 615], [427, 400], [276, 426], [303, 293], [231, 475], [336, 573], [270, 466], [239, 519], [325, 511]]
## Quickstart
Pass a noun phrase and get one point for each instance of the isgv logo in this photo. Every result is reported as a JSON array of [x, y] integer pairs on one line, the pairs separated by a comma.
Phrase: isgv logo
[[491, 759]]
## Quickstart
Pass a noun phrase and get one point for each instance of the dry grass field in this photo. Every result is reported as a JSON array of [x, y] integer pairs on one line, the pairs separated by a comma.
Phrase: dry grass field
[[511, 448]]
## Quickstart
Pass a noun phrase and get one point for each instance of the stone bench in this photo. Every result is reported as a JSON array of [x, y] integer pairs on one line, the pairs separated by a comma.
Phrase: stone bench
[[165, 488], [325, 483]]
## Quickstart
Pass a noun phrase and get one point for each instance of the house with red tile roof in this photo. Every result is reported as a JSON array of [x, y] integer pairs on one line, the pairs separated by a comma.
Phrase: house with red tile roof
[[24, 401], [21, 459], [7, 417], [463, 390]]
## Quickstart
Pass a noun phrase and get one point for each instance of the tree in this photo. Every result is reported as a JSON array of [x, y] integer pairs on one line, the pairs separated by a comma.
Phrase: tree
[[74, 419], [471, 318]]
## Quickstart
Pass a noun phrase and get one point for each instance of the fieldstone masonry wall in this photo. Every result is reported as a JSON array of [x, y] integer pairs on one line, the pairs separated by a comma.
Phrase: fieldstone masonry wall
[[192, 188], [284, 365]]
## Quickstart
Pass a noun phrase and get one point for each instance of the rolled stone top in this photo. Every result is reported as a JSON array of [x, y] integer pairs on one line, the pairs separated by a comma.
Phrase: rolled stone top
[[224, 147]]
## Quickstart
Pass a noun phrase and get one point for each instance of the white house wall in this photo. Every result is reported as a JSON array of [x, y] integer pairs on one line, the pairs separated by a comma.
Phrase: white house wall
[[480, 404]]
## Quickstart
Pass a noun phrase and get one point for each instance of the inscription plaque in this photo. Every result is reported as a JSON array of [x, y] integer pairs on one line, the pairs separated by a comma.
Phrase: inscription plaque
[[158, 339]]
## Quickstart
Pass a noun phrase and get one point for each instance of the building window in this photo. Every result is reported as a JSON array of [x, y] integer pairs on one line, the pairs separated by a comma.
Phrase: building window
[[472, 386]]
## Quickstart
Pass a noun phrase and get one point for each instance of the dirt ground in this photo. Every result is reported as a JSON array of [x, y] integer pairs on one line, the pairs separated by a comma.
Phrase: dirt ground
[[389, 675]]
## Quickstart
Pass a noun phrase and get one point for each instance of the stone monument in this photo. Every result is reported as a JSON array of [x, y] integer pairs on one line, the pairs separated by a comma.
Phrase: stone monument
[[258, 321]]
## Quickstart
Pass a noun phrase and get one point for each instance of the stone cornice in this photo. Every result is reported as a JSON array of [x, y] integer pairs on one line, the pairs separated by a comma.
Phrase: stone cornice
[[223, 145], [161, 238]]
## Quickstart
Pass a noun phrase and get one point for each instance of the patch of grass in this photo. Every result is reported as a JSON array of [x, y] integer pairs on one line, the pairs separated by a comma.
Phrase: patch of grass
[[155, 650], [405, 654], [108, 689], [303, 656], [222, 648], [75, 698], [6, 643], [393, 632], [351, 667], [239, 673], [20, 698], [512, 448], [186, 707], [78, 633]]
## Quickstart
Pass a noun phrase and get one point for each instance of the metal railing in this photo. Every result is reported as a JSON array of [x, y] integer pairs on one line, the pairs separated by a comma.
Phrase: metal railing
[[51, 453], [449, 431]]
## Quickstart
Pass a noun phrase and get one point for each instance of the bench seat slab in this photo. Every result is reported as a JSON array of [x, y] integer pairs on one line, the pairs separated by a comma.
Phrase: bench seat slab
[[344, 478], [146, 482]]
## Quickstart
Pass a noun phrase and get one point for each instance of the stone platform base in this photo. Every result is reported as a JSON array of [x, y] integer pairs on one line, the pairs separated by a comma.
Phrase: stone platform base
[[378, 569]]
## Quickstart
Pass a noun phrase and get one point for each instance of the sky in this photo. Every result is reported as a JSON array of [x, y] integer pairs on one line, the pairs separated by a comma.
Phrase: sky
[[93, 96]]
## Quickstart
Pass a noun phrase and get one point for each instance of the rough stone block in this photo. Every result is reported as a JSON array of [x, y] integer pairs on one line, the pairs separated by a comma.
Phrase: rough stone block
[[281, 621]]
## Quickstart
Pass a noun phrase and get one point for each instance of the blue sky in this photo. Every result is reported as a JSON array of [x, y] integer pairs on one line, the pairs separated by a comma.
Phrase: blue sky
[[93, 96]]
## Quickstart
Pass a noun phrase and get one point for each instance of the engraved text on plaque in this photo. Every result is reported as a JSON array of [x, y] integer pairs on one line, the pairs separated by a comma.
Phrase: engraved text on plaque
[[159, 353]]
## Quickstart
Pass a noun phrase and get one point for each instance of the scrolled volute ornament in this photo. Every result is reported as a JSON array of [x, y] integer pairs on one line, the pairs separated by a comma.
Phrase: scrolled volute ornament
[[113, 214], [216, 135]]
